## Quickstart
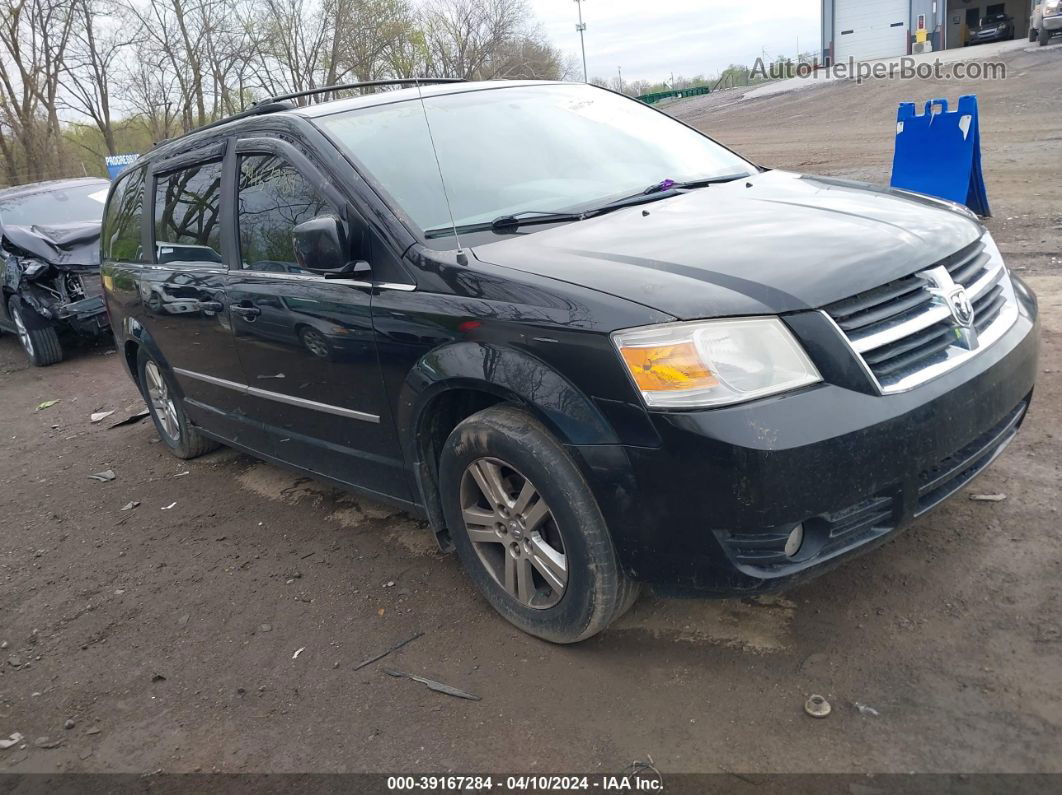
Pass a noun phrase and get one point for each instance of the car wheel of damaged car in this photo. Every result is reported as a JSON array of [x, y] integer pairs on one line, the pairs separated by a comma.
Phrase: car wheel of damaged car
[[164, 403], [39, 341], [527, 528]]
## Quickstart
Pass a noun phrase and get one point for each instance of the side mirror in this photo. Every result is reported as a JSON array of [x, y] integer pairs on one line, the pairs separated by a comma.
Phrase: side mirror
[[321, 245]]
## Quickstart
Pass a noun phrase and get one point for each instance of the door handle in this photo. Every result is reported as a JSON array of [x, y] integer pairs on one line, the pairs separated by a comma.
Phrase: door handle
[[210, 306], [246, 312]]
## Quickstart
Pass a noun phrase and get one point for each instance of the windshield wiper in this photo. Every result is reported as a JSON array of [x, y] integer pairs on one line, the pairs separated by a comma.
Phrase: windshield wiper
[[706, 181], [513, 221], [662, 190], [528, 217], [509, 223]]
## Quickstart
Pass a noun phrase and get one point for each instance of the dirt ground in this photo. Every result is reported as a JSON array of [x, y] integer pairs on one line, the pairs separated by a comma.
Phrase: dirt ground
[[216, 626]]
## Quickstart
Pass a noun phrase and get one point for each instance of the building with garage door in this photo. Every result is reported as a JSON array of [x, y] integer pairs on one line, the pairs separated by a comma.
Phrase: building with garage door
[[866, 30]]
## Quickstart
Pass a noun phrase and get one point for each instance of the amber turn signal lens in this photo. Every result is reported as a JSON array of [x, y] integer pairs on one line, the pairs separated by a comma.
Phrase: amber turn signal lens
[[668, 367]]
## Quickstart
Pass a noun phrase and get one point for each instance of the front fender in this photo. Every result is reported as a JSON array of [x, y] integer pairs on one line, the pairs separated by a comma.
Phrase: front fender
[[506, 373], [510, 374]]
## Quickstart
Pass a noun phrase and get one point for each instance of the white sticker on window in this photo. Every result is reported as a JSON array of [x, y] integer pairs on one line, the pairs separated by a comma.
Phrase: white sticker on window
[[100, 196]]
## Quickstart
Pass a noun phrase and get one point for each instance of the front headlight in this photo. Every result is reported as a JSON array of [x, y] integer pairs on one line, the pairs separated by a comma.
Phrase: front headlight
[[714, 362]]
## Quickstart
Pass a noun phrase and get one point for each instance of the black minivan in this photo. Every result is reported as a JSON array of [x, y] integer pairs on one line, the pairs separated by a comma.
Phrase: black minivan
[[592, 347]]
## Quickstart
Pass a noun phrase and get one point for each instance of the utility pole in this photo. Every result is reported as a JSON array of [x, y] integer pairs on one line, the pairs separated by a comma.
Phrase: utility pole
[[581, 28], [620, 70]]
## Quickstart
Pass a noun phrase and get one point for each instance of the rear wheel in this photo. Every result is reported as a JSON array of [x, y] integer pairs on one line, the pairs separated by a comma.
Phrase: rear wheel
[[166, 411], [527, 528], [41, 343], [1032, 34]]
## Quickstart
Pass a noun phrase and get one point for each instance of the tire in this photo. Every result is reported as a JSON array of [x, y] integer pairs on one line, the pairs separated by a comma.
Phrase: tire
[[1043, 35], [160, 393], [41, 343], [506, 446], [1032, 34]]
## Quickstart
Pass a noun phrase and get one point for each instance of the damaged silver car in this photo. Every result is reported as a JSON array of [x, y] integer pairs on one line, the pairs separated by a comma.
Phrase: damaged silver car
[[50, 244]]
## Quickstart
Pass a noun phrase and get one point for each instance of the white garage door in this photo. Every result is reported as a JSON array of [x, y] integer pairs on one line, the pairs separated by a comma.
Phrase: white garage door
[[868, 30]]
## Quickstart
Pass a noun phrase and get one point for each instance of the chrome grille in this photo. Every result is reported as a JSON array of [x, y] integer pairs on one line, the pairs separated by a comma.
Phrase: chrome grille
[[909, 330]]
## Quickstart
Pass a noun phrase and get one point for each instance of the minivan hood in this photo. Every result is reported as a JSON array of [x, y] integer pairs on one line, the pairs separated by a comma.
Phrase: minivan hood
[[774, 242]]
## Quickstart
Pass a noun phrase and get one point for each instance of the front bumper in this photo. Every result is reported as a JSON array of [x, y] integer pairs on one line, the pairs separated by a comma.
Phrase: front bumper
[[710, 509], [1053, 24], [87, 317]]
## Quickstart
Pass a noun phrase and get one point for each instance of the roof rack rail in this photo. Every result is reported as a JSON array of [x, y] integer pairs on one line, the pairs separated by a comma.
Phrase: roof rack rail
[[266, 106], [368, 84], [279, 103]]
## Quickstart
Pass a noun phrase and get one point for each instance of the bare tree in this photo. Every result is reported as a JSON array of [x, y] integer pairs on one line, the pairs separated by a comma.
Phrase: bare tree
[[175, 35], [463, 36], [89, 71], [290, 46], [366, 32], [34, 35], [153, 94], [225, 38], [97, 75], [527, 57]]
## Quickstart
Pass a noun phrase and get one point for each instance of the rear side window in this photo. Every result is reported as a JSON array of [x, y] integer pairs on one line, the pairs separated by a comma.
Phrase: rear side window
[[274, 198], [123, 218], [187, 216]]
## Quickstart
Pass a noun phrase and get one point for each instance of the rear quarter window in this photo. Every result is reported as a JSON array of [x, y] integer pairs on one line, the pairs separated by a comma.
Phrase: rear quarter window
[[123, 218], [187, 215]]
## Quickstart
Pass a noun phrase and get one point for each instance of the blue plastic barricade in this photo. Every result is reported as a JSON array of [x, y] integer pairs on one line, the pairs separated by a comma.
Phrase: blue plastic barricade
[[938, 152]]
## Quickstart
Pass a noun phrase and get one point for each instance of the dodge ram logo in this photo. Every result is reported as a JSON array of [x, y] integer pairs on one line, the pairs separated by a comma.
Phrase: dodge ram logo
[[961, 308]]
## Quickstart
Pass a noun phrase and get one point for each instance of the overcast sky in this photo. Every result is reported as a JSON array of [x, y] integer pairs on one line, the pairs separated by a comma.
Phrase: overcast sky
[[688, 37]]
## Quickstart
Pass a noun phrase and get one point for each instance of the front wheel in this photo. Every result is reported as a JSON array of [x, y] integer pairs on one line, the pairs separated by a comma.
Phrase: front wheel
[[1044, 35], [527, 528], [167, 412], [40, 342], [315, 342]]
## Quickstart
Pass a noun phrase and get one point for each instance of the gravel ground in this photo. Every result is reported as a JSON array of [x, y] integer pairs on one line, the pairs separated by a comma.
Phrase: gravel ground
[[217, 625]]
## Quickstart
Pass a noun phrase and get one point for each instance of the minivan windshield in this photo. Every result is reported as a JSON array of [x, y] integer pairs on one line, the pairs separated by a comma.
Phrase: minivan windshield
[[523, 149], [55, 206]]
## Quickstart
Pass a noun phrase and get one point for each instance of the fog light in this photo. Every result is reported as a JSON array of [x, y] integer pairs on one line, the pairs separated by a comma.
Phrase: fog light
[[795, 540]]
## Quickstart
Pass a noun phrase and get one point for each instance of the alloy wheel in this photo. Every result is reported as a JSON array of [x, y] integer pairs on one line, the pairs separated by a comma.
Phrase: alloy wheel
[[315, 343], [162, 402], [514, 533], [23, 332]]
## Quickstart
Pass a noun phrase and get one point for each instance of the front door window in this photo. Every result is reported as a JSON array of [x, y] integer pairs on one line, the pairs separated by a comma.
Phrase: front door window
[[274, 199]]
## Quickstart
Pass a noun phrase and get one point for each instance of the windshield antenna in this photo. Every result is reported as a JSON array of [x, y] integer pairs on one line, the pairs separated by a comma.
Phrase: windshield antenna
[[462, 259]]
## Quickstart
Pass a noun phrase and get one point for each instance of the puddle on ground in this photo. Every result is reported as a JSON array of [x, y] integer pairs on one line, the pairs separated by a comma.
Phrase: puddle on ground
[[758, 624]]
